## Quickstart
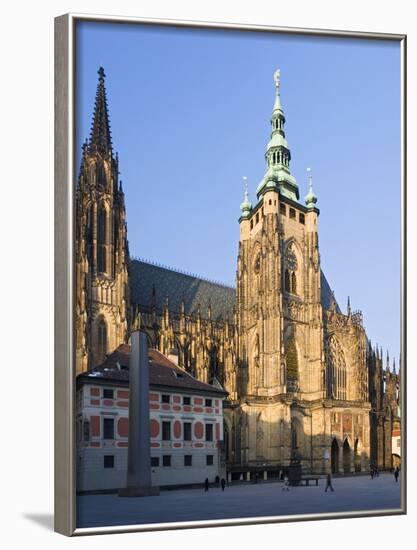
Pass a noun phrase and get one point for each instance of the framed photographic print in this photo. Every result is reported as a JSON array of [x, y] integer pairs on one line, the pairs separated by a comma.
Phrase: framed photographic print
[[230, 274]]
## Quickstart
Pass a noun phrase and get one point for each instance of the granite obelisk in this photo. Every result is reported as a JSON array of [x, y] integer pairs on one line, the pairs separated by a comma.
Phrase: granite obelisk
[[139, 483]]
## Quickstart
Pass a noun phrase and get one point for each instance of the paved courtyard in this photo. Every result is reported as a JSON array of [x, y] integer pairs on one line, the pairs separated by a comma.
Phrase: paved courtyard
[[240, 501]]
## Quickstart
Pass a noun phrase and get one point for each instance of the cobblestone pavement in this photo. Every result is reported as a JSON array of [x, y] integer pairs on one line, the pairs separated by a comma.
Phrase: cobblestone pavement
[[240, 501]]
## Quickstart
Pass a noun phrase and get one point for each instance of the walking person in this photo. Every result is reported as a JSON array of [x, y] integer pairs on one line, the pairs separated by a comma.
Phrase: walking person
[[206, 484], [286, 484], [329, 483], [223, 483], [396, 474], [372, 473]]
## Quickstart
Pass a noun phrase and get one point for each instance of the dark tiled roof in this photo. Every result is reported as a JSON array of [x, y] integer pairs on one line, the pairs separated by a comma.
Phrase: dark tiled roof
[[326, 293], [144, 276], [163, 372]]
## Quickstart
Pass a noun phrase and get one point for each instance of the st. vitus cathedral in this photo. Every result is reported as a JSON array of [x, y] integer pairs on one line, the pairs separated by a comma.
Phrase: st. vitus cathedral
[[301, 375]]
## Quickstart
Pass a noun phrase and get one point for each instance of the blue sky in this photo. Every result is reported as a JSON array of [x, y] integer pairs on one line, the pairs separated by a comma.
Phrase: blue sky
[[190, 112]]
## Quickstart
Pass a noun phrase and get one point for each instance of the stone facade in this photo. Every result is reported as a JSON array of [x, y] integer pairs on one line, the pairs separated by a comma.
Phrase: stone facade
[[301, 375], [385, 418]]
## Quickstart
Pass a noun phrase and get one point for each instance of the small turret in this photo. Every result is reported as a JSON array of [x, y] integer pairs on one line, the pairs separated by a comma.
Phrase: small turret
[[246, 205], [310, 198]]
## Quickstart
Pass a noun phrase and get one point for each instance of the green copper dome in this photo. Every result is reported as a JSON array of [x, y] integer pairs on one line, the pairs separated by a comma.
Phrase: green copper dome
[[246, 206], [311, 197]]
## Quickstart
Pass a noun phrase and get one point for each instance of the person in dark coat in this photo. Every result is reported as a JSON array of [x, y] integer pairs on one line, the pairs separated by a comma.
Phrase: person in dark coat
[[206, 484], [223, 482], [329, 483], [396, 473], [217, 481]]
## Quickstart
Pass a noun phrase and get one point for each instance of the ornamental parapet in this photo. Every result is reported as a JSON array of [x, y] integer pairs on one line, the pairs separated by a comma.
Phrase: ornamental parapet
[[339, 320]]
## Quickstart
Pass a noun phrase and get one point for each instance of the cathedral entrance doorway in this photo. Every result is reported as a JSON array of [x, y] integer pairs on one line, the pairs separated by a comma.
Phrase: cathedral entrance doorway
[[335, 457], [346, 457]]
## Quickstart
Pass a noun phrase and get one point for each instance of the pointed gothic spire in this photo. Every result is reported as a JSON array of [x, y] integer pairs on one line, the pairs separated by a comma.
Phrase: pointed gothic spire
[[394, 370], [349, 311], [100, 135]]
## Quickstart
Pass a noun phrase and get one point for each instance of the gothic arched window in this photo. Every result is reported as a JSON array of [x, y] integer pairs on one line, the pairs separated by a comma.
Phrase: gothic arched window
[[291, 356], [336, 370], [89, 234], [293, 283], [287, 284], [101, 239], [102, 340]]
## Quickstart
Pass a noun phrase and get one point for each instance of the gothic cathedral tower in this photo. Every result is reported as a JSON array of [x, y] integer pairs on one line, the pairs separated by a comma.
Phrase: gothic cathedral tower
[[280, 329], [102, 255], [278, 281]]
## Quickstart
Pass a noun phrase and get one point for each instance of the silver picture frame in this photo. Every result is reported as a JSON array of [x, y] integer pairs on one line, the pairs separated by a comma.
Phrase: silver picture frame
[[64, 385]]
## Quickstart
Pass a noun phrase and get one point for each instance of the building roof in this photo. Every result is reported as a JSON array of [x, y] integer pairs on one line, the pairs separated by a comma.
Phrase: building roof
[[163, 372], [326, 294], [150, 282]]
